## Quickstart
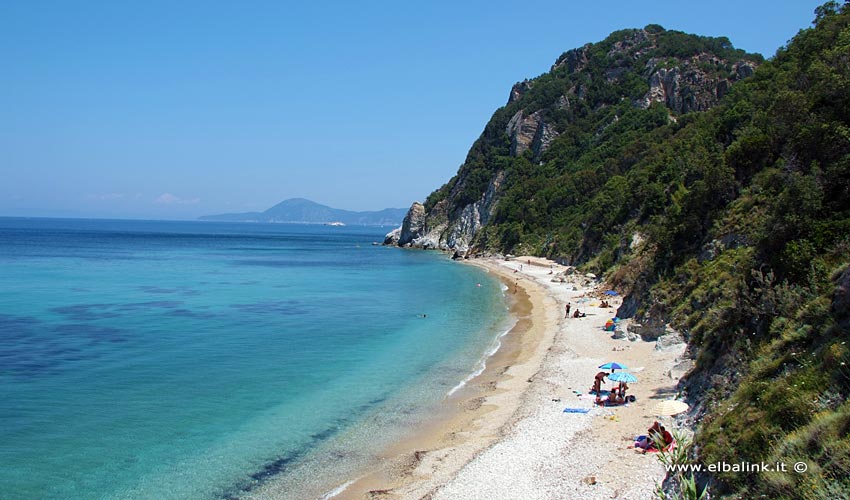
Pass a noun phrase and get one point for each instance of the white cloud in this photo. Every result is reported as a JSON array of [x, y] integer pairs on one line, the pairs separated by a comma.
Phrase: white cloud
[[170, 199]]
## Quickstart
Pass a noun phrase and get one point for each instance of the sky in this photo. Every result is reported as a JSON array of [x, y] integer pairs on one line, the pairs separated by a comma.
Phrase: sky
[[172, 110]]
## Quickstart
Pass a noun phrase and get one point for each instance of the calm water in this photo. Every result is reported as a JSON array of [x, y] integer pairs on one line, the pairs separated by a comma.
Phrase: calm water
[[143, 359]]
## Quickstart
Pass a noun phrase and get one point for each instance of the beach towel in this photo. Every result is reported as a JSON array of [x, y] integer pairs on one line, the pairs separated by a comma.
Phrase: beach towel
[[576, 410]]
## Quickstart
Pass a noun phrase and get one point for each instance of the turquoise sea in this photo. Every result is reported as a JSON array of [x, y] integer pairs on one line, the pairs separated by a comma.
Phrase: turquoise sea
[[190, 360]]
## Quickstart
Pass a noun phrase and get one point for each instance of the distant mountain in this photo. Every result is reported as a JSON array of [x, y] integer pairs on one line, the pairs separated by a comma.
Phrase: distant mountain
[[299, 210]]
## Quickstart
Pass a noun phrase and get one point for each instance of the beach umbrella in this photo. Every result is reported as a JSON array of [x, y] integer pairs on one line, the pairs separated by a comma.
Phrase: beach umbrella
[[670, 407], [611, 292], [622, 377], [613, 366]]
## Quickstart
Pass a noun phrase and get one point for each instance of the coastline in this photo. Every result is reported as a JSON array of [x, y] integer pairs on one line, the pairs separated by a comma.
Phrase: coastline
[[474, 415], [506, 435]]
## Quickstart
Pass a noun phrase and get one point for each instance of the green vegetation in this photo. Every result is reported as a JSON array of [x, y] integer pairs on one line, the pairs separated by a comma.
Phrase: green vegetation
[[680, 457], [733, 224]]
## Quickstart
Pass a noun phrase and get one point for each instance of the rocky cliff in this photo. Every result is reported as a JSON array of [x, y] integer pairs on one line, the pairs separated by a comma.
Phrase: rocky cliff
[[588, 86]]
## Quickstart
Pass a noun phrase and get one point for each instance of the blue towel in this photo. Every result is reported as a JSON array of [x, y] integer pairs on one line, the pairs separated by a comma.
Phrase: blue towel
[[576, 410]]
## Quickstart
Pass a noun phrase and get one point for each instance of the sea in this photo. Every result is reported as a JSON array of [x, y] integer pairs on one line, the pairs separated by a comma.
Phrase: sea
[[204, 360]]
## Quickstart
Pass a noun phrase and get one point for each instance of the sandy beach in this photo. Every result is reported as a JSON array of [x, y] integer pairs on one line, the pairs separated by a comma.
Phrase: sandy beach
[[510, 437]]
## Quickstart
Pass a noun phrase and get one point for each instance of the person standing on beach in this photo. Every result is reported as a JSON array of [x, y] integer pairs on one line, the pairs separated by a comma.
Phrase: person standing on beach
[[567, 308], [597, 382]]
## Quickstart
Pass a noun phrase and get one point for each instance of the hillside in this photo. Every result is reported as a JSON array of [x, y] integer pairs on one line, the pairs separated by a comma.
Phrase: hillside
[[301, 211], [712, 189], [566, 133]]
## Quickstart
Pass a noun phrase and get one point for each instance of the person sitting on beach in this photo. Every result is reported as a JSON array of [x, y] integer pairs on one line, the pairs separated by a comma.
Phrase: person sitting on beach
[[666, 436], [655, 429], [655, 436], [612, 397], [579, 314]]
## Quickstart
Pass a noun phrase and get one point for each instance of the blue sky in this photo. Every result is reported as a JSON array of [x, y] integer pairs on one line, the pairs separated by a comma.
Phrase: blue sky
[[180, 109]]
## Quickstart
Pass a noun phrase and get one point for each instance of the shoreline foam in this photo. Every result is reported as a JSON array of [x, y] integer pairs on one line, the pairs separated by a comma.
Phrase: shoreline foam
[[482, 364]]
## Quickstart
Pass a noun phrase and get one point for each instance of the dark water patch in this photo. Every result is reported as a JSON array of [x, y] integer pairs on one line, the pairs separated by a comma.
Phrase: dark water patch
[[321, 436], [20, 335], [377, 401], [94, 312], [92, 332], [371, 404], [187, 313], [153, 304], [290, 263], [272, 469], [281, 464], [156, 289], [13, 322], [281, 307], [80, 290], [86, 312], [258, 478], [37, 356], [184, 291]]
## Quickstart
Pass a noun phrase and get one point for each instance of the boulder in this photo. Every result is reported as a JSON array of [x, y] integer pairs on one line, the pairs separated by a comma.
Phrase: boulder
[[667, 341], [392, 237], [841, 296], [680, 369], [629, 306], [413, 225], [648, 333]]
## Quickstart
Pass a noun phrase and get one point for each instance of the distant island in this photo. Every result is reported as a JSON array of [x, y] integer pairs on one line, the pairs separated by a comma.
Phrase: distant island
[[302, 211]]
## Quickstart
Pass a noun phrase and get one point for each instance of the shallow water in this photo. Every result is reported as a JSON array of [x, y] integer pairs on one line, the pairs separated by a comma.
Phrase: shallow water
[[143, 359]]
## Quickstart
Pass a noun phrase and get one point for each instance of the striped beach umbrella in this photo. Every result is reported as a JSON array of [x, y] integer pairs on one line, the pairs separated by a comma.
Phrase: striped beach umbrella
[[670, 407]]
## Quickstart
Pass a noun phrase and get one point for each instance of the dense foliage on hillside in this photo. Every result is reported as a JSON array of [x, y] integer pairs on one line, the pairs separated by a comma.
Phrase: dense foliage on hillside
[[733, 224]]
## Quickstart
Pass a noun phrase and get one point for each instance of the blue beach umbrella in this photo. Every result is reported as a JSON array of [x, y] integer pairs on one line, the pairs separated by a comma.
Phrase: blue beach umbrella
[[613, 366], [622, 377], [611, 292]]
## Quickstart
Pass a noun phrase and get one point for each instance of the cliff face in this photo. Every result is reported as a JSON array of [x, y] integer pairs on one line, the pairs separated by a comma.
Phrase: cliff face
[[637, 69], [434, 229]]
